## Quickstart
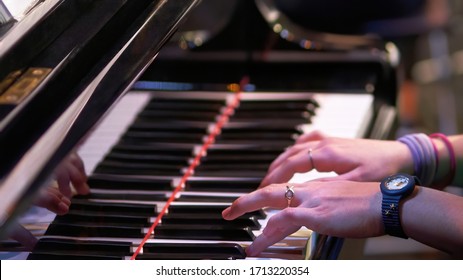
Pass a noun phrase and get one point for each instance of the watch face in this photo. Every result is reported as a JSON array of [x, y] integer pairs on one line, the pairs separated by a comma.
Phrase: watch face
[[396, 183]]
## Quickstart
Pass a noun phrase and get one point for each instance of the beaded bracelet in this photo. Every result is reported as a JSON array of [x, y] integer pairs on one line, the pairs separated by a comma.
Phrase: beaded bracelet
[[451, 174]]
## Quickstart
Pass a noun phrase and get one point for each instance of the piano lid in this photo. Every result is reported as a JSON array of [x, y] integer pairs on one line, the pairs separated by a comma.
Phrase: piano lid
[[253, 39], [62, 66]]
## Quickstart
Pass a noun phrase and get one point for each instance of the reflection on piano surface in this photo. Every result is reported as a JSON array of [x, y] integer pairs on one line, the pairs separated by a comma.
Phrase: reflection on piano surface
[[198, 129]]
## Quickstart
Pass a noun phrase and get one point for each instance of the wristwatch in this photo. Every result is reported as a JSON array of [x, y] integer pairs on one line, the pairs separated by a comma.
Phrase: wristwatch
[[394, 188]]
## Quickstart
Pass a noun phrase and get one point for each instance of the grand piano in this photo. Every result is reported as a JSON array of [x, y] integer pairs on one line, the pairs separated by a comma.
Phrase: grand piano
[[177, 108]]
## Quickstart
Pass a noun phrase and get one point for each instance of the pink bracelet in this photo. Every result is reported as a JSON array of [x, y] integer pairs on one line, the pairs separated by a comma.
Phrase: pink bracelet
[[451, 175]]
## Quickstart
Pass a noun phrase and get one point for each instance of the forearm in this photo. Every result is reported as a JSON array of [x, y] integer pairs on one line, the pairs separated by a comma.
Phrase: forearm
[[434, 218]]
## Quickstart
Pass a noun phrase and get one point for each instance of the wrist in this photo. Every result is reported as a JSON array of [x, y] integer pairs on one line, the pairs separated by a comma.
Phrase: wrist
[[404, 207], [405, 159], [395, 189]]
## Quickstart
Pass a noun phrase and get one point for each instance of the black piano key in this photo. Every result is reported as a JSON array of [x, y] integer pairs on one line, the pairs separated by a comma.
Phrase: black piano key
[[161, 136], [186, 256], [11, 246], [70, 255], [163, 114], [238, 157], [219, 169], [190, 106], [275, 105], [232, 166], [210, 209], [260, 126], [290, 121], [80, 216], [185, 197], [123, 196], [272, 142], [118, 208], [197, 250], [94, 230], [172, 126], [184, 104], [114, 167], [116, 182], [295, 117], [254, 149], [230, 172], [223, 184], [192, 232], [173, 149], [208, 219], [256, 135], [210, 232], [139, 157], [99, 247]]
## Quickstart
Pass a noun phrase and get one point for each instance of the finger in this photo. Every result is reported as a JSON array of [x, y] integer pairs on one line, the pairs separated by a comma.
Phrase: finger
[[350, 176], [298, 163], [77, 173], [327, 159], [286, 154], [77, 162], [275, 177], [278, 227], [271, 196], [315, 135], [53, 200], [78, 180], [63, 179]]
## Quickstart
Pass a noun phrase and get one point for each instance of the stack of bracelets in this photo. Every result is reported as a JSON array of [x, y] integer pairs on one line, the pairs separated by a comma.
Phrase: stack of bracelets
[[426, 158]]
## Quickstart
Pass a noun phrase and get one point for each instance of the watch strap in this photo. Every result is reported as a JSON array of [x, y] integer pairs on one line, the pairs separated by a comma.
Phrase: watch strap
[[391, 216]]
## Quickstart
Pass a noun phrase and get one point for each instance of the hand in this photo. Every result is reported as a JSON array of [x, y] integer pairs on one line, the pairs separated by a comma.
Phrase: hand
[[70, 177], [72, 170], [337, 208], [351, 159], [52, 199]]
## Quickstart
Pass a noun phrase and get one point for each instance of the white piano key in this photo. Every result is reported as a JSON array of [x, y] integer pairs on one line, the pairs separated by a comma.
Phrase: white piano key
[[111, 128], [342, 115]]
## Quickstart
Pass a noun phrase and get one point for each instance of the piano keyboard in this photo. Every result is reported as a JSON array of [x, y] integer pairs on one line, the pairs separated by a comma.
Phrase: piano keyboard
[[140, 151]]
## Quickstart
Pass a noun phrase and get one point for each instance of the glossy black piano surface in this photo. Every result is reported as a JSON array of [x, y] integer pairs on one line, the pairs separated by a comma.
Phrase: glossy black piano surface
[[89, 53], [183, 92]]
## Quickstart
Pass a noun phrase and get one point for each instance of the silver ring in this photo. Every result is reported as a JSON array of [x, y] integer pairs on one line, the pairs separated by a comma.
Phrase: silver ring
[[311, 158], [289, 194]]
